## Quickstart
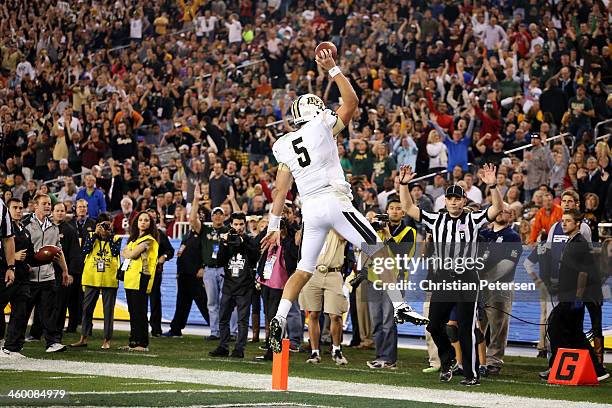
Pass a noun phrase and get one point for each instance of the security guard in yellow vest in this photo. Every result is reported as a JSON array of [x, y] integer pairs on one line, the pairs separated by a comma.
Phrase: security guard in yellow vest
[[400, 238], [139, 266], [101, 249]]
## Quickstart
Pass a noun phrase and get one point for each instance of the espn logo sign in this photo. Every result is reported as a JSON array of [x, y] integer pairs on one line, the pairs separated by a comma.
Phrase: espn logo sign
[[573, 367]]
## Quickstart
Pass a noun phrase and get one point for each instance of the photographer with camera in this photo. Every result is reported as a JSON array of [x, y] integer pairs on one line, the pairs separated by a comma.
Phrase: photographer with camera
[[101, 250], [239, 255], [400, 237]]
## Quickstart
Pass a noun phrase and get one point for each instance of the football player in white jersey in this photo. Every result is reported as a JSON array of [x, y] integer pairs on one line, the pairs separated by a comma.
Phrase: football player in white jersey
[[309, 156]]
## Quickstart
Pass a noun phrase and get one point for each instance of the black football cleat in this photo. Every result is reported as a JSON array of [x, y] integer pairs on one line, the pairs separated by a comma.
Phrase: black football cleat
[[406, 314]]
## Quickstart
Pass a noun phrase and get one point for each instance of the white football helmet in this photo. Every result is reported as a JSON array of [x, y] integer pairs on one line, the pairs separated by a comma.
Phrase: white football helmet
[[306, 107]]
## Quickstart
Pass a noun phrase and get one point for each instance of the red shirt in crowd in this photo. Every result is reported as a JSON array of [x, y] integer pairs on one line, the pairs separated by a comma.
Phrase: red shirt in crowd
[[121, 224], [523, 40], [489, 124], [446, 122]]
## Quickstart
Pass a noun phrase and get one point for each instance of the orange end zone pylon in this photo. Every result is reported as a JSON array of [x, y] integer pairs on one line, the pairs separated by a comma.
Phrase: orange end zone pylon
[[280, 368]]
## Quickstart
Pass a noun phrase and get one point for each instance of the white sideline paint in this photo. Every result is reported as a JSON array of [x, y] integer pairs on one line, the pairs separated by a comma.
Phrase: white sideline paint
[[177, 391], [147, 383], [248, 404], [262, 382], [79, 377]]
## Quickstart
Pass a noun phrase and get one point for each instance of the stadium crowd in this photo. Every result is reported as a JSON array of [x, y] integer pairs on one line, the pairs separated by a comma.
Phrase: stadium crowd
[[171, 108]]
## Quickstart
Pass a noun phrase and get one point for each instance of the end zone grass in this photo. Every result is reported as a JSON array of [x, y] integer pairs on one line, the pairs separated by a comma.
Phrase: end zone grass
[[518, 378]]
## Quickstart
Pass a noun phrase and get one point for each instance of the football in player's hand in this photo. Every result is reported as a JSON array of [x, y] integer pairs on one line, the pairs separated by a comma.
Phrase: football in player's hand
[[47, 253], [327, 45]]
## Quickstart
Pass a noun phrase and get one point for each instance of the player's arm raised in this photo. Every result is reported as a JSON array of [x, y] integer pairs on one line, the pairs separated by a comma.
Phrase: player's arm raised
[[408, 205], [349, 97], [283, 183]]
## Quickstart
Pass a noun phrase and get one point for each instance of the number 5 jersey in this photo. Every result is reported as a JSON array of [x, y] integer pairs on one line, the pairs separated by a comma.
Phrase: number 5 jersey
[[311, 154]]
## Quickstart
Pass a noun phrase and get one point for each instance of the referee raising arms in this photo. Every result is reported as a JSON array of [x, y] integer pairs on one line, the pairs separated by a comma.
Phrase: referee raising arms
[[455, 234]]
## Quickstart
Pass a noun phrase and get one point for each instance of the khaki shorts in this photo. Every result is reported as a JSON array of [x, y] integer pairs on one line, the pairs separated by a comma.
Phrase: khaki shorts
[[325, 287]]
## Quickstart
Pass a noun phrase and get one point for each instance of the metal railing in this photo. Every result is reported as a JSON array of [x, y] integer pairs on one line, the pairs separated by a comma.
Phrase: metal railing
[[597, 126], [245, 65], [278, 122], [548, 139], [180, 229], [173, 33]]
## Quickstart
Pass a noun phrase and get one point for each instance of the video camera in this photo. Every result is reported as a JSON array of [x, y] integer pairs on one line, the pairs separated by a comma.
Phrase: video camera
[[233, 238], [380, 222]]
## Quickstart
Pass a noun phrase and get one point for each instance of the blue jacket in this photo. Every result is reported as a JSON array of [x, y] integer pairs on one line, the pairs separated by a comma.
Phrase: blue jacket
[[457, 151], [96, 203]]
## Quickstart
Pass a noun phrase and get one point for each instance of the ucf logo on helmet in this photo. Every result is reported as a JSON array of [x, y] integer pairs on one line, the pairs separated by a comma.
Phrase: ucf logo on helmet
[[313, 100], [306, 107]]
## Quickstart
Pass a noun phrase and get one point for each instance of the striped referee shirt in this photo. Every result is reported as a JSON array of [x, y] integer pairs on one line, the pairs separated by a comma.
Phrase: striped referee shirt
[[6, 226], [455, 237]]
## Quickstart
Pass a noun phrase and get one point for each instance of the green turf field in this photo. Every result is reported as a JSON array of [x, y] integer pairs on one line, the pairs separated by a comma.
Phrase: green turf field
[[518, 378], [94, 390]]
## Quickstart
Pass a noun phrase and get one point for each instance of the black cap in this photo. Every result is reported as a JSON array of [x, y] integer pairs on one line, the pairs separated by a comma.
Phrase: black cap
[[413, 185], [455, 190]]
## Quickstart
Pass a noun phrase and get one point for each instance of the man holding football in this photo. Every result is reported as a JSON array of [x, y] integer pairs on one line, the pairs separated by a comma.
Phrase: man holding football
[[43, 290]]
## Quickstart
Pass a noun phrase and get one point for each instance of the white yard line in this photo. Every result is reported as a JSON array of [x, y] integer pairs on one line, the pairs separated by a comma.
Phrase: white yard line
[[80, 377], [176, 391], [304, 385], [148, 383], [119, 353], [265, 404]]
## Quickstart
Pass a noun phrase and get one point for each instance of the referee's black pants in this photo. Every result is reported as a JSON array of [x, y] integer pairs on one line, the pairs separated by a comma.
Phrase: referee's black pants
[[18, 295], [442, 303], [190, 288]]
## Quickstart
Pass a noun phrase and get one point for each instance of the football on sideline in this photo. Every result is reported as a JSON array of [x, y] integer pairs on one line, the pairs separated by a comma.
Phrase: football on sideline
[[47, 253]]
